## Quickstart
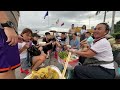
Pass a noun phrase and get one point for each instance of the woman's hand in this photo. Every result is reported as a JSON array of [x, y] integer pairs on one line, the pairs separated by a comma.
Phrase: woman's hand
[[71, 50], [26, 46], [20, 39], [12, 37]]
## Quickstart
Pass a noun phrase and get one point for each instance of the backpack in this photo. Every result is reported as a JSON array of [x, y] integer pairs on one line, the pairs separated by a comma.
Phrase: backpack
[[32, 51]]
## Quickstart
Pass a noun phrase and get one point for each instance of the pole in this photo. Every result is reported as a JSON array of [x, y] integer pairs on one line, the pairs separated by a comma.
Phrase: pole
[[104, 16], [48, 20], [113, 19]]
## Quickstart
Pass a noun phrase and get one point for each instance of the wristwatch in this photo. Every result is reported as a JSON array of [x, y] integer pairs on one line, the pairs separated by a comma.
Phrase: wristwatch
[[8, 24]]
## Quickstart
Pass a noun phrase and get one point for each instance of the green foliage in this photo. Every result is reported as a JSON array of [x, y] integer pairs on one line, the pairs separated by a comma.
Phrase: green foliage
[[117, 27], [114, 34]]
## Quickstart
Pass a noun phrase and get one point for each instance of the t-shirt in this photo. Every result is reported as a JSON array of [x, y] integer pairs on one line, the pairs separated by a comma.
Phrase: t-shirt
[[48, 46], [64, 41], [104, 52], [75, 43], [24, 53], [83, 31], [72, 31], [90, 41]]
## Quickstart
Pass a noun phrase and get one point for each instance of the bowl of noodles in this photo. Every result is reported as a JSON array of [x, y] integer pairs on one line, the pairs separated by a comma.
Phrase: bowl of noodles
[[49, 72]]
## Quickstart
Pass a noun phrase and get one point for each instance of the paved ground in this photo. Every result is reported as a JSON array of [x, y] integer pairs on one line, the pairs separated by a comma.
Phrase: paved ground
[[49, 61]]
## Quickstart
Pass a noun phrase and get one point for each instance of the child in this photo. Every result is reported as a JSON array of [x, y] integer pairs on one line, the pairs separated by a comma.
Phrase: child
[[35, 61], [23, 46]]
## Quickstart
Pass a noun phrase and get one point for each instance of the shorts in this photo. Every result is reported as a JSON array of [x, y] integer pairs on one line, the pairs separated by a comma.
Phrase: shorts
[[25, 64], [9, 55]]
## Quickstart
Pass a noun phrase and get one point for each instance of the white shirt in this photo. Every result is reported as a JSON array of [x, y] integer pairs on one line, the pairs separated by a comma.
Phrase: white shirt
[[24, 53], [104, 52], [83, 31]]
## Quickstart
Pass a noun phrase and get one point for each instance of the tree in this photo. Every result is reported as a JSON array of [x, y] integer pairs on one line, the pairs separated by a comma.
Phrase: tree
[[104, 14], [117, 27]]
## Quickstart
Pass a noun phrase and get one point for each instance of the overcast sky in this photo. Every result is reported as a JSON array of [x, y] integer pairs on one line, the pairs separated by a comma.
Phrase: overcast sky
[[35, 19]]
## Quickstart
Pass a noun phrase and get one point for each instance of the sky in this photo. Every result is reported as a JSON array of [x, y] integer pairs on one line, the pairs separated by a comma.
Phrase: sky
[[35, 20]]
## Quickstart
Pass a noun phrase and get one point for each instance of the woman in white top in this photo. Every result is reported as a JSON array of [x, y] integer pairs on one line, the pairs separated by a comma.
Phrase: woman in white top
[[100, 50], [82, 32]]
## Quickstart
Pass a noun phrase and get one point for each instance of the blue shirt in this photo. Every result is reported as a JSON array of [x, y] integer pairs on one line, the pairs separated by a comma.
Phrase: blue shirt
[[75, 43]]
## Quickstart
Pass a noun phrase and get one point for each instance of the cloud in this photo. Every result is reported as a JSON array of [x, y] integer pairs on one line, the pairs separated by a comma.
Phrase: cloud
[[35, 19]]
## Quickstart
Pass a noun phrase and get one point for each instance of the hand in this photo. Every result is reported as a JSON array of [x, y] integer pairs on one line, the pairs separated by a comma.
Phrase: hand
[[71, 50], [40, 48], [68, 46], [20, 39], [26, 46], [51, 42], [12, 37], [41, 45]]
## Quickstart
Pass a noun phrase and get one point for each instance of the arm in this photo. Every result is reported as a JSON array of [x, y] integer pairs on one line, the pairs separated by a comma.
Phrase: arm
[[48, 43], [26, 46], [3, 17], [22, 49], [89, 53], [83, 41], [58, 44], [98, 48], [12, 37]]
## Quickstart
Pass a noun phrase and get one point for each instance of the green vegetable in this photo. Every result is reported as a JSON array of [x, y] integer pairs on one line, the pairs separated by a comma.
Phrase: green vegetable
[[63, 54]]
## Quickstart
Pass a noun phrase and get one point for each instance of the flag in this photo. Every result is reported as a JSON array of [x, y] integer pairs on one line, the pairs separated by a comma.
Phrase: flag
[[57, 21], [62, 24], [46, 14]]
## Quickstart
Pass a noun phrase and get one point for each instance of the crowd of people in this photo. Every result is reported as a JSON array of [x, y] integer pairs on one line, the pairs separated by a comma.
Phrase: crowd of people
[[96, 52]]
